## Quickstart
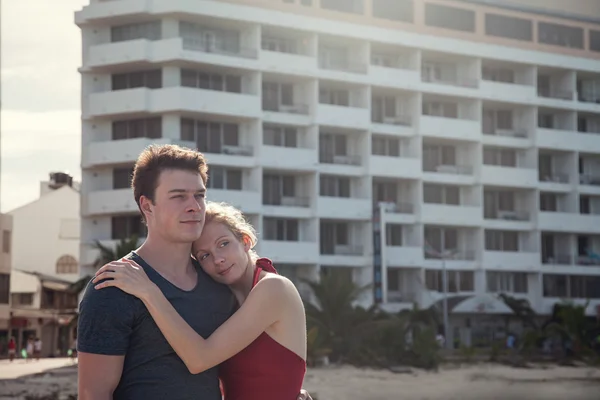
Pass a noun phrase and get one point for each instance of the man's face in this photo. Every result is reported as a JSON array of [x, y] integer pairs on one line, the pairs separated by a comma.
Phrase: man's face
[[177, 214]]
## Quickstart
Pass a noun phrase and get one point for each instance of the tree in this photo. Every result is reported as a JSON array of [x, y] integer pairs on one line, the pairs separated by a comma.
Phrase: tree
[[107, 254]]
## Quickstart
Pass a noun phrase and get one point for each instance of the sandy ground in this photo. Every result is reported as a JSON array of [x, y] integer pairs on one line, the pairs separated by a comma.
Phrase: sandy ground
[[476, 382]]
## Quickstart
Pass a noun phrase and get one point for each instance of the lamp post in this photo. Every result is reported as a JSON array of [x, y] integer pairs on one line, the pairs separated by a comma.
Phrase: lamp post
[[443, 256]]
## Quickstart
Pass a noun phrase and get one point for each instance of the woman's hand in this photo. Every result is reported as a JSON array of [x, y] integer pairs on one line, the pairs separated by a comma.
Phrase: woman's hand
[[128, 276]]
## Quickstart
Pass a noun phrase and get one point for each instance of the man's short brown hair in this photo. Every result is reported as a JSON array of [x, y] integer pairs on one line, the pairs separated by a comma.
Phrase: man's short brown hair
[[158, 158]]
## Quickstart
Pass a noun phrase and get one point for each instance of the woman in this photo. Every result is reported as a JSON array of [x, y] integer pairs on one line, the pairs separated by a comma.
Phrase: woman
[[262, 347]]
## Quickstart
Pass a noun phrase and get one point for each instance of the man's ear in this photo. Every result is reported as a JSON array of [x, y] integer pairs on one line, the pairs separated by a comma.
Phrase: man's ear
[[146, 207]]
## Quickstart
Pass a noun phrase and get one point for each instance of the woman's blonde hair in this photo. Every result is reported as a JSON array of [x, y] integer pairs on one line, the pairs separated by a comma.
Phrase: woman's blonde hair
[[235, 221]]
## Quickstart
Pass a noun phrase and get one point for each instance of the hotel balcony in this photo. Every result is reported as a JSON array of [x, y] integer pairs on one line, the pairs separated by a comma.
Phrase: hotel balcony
[[291, 252], [510, 260], [344, 208], [173, 99], [250, 202], [115, 152], [109, 202], [394, 167]]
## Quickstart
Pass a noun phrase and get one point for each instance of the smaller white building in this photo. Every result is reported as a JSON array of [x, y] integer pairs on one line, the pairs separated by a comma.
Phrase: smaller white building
[[46, 231], [42, 307]]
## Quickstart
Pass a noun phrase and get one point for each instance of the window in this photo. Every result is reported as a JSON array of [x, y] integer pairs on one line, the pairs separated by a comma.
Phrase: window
[[334, 186], [440, 109], [501, 241], [457, 281], [508, 27], [150, 128], [127, 226], [386, 109], [333, 234], [4, 288], [506, 282], [122, 178], [148, 79], [211, 81], [396, 10], [6, 241], [435, 156], [347, 6], [145, 30], [331, 145], [500, 157], [440, 239], [585, 204], [555, 285], [493, 74], [224, 178], [386, 192], [276, 187], [275, 95], [393, 235], [594, 40], [281, 229], [548, 202], [457, 19], [22, 299], [385, 146], [560, 35], [210, 137], [66, 264], [336, 97], [281, 136], [439, 194]]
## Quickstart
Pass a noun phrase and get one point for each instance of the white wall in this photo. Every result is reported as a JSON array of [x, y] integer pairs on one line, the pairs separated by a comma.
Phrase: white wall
[[45, 230]]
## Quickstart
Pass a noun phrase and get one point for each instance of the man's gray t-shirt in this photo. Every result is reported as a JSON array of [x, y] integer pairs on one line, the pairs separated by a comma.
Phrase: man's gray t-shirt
[[112, 322]]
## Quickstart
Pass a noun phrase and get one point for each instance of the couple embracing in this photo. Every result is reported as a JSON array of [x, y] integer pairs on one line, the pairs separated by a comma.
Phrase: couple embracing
[[194, 313]]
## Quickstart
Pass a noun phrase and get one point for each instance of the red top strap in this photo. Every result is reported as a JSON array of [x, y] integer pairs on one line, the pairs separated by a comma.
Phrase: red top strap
[[263, 264]]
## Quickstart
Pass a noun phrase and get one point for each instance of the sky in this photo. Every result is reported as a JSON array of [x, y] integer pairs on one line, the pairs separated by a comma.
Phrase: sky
[[40, 116]]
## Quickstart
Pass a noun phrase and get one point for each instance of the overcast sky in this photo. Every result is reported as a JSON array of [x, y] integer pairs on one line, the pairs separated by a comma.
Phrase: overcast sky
[[40, 121]]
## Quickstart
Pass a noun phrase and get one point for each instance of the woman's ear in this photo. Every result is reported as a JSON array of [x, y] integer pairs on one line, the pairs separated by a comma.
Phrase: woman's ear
[[247, 243]]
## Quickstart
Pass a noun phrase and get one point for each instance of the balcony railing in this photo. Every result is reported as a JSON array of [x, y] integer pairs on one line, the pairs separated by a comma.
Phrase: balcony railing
[[237, 150], [514, 133], [400, 297], [450, 169], [557, 259], [404, 120], [509, 215], [286, 201], [460, 255], [555, 93], [286, 108], [340, 159], [348, 250], [202, 45], [462, 82], [394, 207], [355, 67], [588, 179], [554, 178]]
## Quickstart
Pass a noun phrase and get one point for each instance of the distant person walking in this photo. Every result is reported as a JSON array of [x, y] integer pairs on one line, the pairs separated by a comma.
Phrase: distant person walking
[[12, 348]]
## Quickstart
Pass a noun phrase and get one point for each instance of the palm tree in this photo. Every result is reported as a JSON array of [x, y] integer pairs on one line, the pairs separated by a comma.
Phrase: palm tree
[[333, 312], [107, 254]]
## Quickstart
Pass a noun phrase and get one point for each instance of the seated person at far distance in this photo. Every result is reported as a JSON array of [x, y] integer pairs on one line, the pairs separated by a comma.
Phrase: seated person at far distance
[[263, 345]]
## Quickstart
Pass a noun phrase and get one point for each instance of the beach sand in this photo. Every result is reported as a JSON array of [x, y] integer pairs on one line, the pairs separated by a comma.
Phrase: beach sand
[[473, 382]]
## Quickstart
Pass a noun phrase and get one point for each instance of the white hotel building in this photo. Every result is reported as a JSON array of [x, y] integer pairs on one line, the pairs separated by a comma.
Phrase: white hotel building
[[476, 127]]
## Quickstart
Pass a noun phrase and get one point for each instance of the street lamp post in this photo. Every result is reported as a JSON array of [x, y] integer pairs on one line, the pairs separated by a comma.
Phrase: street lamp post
[[443, 256]]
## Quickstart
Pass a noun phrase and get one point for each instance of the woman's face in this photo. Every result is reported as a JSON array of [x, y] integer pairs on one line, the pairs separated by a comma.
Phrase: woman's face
[[221, 254]]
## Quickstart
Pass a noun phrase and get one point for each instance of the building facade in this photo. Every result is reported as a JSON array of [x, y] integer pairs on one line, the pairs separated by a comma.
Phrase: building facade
[[473, 128], [6, 227], [46, 231]]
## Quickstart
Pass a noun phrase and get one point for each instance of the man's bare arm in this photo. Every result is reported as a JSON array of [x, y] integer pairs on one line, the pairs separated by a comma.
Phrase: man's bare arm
[[98, 375]]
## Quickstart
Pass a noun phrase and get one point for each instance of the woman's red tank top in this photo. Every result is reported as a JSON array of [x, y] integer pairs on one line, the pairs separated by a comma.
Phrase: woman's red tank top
[[265, 370]]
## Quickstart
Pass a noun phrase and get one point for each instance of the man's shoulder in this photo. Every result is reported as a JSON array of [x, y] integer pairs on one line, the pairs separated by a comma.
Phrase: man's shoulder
[[106, 297]]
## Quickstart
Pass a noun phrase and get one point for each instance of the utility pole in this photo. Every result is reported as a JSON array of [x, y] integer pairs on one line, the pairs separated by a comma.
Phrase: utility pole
[[443, 256]]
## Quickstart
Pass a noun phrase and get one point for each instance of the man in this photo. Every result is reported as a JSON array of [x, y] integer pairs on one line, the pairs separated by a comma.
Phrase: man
[[122, 353]]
